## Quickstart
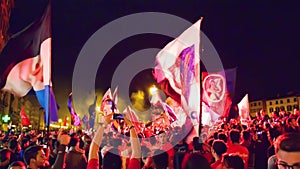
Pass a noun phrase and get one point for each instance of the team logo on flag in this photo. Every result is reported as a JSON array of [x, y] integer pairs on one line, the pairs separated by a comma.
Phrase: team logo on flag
[[214, 87]]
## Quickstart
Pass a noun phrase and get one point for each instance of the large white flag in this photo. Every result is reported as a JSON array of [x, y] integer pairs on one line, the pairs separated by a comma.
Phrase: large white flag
[[167, 60], [178, 63]]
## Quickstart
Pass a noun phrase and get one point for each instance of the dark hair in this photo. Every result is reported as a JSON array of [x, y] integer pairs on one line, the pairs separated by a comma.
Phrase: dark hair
[[289, 120], [197, 160], [31, 152], [219, 147], [246, 135], [233, 161], [215, 135], [73, 141], [23, 142], [112, 159], [222, 136], [17, 164], [234, 136], [12, 144], [4, 155], [160, 159], [289, 142]]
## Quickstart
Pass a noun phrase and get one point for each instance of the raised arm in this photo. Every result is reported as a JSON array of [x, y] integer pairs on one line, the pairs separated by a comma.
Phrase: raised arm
[[134, 140], [96, 142], [64, 140]]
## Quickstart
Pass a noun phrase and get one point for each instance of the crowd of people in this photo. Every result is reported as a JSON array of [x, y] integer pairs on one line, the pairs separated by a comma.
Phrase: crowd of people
[[264, 142]]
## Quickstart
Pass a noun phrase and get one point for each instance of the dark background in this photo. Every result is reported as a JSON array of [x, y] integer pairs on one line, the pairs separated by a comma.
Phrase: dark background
[[261, 39]]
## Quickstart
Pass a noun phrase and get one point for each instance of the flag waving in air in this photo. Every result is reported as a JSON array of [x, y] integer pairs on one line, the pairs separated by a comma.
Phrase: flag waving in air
[[177, 68], [218, 89], [75, 120], [244, 109], [25, 63], [24, 118]]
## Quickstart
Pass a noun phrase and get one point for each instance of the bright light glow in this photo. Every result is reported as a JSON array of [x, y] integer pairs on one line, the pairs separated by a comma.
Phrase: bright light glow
[[97, 108], [153, 89], [59, 120], [58, 126]]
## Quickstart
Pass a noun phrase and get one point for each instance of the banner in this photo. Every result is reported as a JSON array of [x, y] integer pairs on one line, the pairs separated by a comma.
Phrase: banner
[[218, 89]]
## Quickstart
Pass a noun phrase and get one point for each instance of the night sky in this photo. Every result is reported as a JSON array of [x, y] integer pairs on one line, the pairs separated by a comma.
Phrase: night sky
[[261, 39]]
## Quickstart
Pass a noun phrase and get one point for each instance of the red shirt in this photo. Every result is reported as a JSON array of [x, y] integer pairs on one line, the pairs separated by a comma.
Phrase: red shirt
[[134, 163], [216, 164], [241, 151]]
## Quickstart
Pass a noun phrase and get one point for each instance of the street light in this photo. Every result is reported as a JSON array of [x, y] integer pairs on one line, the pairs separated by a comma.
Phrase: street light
[[153, 89]]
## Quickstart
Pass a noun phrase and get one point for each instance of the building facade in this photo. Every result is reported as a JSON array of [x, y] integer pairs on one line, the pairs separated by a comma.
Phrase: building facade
[[285, 103], [256, 106]]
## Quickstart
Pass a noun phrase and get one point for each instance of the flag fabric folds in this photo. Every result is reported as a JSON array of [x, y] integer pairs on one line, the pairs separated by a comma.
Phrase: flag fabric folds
[[85, 121], [218, 89], [92, 113], [75, 120], [25, 63], [167, 62], [244, 109], [24, 118], [177, 65], [190, 83]]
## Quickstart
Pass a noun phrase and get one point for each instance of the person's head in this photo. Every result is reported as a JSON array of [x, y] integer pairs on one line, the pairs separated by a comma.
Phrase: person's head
[[4, 155], [13, 144], [79, 132], [24, 143], [162, 137], [74, 141], [112, 159], [197, 145], [160, 159], [234, 136], [35, 156], [246, 135], [223, 136], [292, 121], [17, 165], [219, 148], [275, 114], [197, 160], [232, 161], [287, 150]]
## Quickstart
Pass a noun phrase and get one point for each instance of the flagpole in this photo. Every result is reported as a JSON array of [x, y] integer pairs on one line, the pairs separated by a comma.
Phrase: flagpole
[[47, 89], [200, 87]]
